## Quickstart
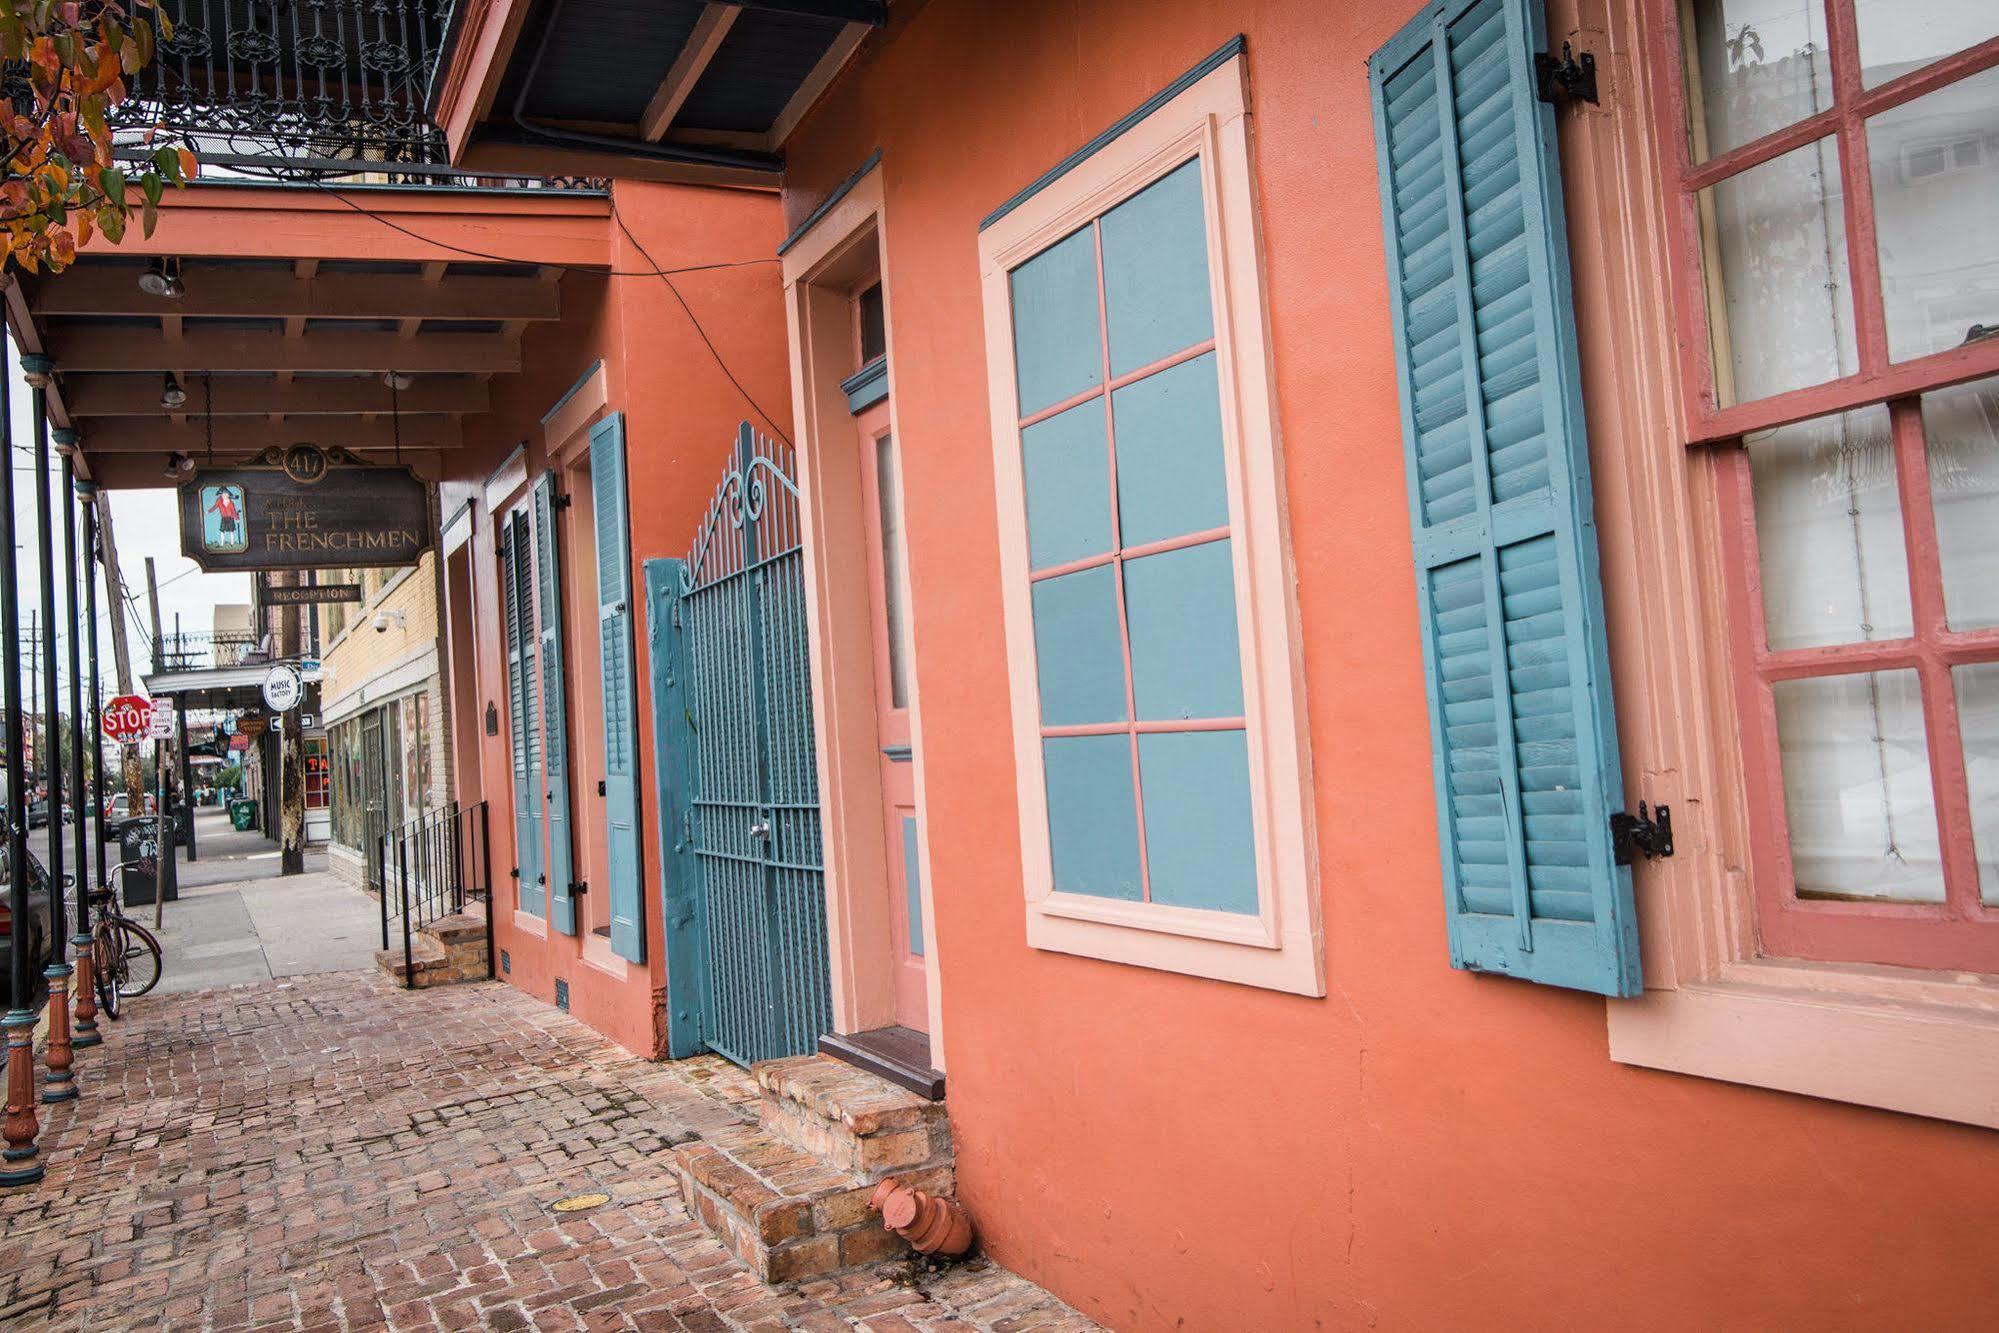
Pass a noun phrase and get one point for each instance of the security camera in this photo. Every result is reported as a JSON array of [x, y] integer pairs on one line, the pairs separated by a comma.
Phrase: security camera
[[383, 619]]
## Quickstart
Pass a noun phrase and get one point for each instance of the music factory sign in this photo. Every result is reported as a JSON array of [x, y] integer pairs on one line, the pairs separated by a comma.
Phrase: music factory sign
[[303, 507]]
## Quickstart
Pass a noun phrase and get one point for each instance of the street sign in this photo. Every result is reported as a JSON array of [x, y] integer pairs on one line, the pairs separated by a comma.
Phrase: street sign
[[283, 687], [128, 719], [162, 723]]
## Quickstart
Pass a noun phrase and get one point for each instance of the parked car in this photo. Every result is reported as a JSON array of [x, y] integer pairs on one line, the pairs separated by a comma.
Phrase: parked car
[[39, 927], [38, 813]]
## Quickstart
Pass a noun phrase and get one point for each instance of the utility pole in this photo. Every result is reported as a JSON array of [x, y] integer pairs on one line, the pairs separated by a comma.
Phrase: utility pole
[[291, 766], [121, 648], [163, 837]]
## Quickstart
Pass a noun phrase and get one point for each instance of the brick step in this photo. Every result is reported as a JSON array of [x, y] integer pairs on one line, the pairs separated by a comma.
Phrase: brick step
[[850, 1119], [785, 1212], [444, 952]]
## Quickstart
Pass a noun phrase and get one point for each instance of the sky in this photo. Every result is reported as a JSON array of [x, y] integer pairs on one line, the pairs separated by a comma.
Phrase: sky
[[144, 523]]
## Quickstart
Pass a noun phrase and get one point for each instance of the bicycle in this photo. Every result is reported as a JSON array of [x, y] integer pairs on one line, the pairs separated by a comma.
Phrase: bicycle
[[127, 955]]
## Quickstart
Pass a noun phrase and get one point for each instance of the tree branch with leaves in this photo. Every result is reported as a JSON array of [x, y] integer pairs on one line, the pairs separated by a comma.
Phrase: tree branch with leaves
[[66, 65]]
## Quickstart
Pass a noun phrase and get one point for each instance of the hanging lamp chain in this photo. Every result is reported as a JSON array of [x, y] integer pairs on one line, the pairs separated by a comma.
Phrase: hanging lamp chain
[[208, 412], [396, 416]]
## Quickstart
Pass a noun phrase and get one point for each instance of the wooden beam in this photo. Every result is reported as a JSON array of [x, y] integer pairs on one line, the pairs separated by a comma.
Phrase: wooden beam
[[145, 471], [221, 291], [139, 395], [247, 435], [869, 13], [688, 66], [815, 83], [233, 349]]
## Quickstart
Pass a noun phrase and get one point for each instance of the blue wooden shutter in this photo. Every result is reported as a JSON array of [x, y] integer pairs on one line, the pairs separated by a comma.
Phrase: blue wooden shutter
[[527, 843], [554, 708], [614, 622], [1514, 650], [682, 911]]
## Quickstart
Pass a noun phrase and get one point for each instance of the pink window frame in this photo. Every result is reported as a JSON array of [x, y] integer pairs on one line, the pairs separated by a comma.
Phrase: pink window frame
[[1279, 946], [1961, 932]]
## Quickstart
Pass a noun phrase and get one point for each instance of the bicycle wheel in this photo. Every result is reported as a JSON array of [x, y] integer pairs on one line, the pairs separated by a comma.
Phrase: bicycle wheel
[[108, 961], [142, 960]]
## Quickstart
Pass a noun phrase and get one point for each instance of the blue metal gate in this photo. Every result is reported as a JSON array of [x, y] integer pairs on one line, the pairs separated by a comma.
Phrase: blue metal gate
[[749, 816]]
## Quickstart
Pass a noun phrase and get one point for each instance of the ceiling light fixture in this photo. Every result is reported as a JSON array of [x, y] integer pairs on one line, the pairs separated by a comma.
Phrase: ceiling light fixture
[[174, 461], [162, 279], [398, 379], [171, 394]]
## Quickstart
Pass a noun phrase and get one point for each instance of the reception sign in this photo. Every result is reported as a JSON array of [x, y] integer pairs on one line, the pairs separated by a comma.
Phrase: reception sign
[[303, 507]]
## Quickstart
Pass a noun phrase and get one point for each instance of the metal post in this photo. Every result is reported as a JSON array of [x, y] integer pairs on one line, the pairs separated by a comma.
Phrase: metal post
[[21, 1126], [87, 494], [59, 1082], [486, 879], [84, 1029], [382, 881], [403, 897], [180, 743]]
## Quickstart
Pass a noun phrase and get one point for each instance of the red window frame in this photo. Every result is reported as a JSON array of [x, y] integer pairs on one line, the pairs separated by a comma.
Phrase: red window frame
[[1959, 933]]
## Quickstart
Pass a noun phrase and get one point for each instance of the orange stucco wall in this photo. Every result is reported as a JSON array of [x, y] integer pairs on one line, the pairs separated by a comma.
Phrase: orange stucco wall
[[1422, 1148], [681, 412]]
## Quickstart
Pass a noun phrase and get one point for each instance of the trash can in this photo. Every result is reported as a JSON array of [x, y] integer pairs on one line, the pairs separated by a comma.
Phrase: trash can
[[138, 853], [243, 814]]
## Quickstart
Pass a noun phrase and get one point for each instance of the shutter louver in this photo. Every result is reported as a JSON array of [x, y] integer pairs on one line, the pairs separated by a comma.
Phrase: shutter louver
[[1511, 607], [614, 620], [520, 699], [554, 709]]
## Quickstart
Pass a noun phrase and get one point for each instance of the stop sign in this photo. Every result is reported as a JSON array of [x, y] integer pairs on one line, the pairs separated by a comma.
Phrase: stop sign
[[128, 718]]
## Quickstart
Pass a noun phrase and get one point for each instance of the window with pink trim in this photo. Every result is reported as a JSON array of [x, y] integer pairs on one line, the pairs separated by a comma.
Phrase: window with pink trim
[[1838, 279], [1149, 638]]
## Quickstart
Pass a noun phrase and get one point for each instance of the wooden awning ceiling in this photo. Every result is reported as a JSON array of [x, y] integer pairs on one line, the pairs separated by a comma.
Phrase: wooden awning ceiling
[[689, 90], [300, 345]]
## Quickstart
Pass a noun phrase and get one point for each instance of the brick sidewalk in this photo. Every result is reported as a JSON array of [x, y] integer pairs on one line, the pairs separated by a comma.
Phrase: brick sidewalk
[[332, 1152]]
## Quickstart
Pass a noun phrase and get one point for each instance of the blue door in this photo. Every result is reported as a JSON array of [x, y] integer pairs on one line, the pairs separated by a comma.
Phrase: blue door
[[732, 704]]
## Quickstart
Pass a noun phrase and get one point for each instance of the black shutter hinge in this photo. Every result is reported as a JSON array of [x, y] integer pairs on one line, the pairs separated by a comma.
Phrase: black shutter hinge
[[1569, 76], [562, 501], [1649, 833], [579, 889]]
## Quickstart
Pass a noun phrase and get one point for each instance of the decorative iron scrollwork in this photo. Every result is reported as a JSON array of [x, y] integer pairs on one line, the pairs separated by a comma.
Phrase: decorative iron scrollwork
[[765, 516]]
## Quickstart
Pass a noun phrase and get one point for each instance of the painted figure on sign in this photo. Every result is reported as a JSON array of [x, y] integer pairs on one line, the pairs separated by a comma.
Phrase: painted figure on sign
[[222, 526]]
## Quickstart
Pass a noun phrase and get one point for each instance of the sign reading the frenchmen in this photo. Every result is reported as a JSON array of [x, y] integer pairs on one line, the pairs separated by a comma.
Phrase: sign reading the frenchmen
[[303, 507]]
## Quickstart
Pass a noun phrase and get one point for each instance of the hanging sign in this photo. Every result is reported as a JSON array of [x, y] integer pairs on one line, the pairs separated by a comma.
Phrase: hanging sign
[[303, 507], [252, 724], [317, 594], [128, 719], [283, 687]]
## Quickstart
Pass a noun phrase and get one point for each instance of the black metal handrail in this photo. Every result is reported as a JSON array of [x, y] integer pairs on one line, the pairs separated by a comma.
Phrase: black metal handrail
[[442, 860]]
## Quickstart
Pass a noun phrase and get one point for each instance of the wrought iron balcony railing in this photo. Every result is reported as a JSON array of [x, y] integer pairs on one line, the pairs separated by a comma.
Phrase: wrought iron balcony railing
[[304, 91]]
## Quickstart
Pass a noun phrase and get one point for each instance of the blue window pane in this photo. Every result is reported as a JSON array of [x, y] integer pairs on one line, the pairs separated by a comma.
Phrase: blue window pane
[[1185, 662], [1199, 842], [1170, 479], [1156, 271], [912, 884], [1092, 815], [1057, 340], [1068, 486], [1076, 643]]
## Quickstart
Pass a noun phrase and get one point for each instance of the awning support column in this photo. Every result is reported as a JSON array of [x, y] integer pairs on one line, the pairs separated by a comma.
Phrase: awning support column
[[59, 1083], [83, 1032], [18, 1164]]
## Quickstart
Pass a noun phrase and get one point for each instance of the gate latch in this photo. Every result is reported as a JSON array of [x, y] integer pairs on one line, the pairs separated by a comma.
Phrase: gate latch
[[1648, 833], [1566, 76], [761, 830]]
